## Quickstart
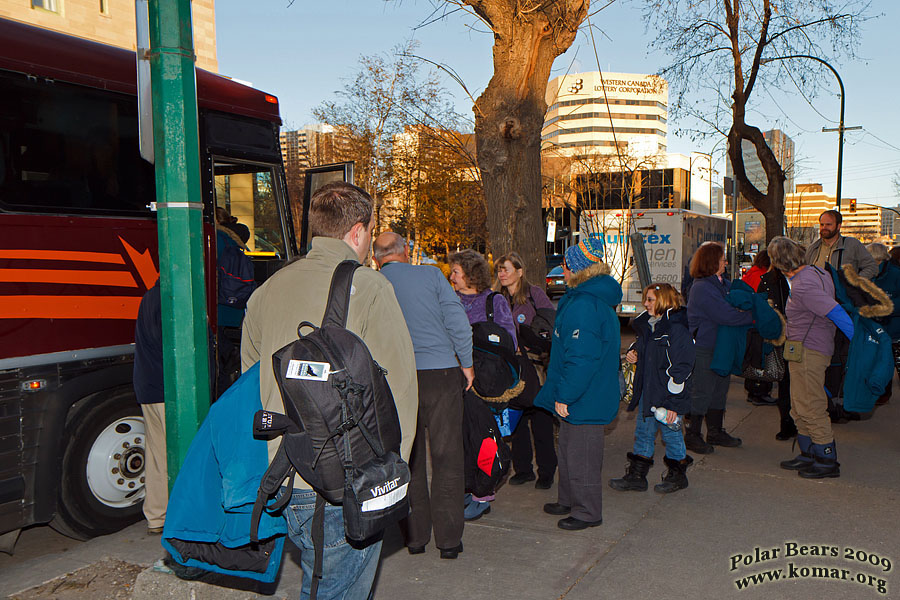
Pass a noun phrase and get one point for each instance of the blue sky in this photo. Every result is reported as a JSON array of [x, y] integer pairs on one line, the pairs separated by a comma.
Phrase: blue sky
[[305, 52]]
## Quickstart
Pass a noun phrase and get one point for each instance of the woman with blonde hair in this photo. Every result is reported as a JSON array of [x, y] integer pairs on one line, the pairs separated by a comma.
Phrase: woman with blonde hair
[[664, 354], [526, 299]]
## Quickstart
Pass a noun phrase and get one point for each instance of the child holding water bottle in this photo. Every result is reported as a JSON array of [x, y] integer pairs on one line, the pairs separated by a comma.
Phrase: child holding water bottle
[[664, 354]]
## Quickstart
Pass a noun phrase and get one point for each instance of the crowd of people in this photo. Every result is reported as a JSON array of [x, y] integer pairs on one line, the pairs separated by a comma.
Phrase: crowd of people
[[682, 342]]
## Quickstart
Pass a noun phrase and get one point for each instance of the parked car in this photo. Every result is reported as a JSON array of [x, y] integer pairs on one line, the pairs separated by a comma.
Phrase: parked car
[[556, 285]]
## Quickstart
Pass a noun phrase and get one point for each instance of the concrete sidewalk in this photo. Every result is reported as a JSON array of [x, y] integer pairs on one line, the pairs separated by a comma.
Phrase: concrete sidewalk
[[691, 544]]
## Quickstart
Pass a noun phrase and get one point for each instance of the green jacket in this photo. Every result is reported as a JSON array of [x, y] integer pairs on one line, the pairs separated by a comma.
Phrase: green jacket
[[847, 251], [298, 292]]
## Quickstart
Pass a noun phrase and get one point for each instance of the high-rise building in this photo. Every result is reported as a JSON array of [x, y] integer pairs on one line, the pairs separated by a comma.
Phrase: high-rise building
[[310, 146], [111, 22], [802, 210], [782, 147], [593, 113]]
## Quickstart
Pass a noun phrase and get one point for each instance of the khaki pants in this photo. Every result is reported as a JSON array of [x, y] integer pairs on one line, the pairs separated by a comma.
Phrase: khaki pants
[[155, 470], [809, 404]]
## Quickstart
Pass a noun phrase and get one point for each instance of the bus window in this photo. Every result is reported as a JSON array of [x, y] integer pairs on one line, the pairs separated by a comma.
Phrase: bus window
[[247, 191], [70, 149]]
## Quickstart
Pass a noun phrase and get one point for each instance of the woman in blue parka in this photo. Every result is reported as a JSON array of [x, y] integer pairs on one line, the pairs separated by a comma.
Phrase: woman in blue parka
[[582, 385]]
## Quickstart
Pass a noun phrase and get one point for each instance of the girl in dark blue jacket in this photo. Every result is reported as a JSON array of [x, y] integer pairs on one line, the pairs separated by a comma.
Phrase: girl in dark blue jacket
[[664, 353]]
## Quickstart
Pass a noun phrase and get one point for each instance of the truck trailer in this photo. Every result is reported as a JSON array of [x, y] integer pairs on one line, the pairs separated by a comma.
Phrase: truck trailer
[[671, 236]]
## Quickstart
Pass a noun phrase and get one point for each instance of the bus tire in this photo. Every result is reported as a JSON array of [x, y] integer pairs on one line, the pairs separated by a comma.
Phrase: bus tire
[[102, 472]]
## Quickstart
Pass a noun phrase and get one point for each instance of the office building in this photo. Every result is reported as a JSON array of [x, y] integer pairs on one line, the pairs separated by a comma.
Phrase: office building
[[590, 114], [111, 22], [802, 210]]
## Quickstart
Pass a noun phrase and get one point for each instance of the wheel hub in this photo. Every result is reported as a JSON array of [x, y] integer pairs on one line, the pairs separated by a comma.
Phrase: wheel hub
[[115, 466]]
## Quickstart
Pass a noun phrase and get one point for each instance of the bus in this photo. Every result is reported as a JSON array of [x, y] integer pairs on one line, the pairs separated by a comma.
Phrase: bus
[[77, 252]]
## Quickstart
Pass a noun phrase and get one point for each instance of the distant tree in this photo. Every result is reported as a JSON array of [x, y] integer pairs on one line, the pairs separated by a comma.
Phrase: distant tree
[[386, 94], [721, 45]]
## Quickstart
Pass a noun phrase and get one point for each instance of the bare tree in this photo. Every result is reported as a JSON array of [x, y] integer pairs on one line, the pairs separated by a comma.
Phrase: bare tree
[[725, 45]]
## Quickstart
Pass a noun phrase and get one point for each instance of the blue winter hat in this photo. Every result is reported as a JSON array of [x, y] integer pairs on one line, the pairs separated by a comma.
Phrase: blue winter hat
[[587, 252]]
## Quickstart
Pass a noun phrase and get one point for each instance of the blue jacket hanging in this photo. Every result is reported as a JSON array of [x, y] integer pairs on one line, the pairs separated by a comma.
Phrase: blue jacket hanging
[[731, 340], [870, 362], [209, 512]]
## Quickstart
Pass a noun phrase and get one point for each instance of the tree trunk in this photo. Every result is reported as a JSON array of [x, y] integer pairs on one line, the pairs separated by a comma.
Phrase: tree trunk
[[509, 116], [770, 204]]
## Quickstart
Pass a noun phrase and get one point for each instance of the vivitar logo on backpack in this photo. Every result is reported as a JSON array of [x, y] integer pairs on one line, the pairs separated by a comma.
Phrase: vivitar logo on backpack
[[306, 369], [385, 495]]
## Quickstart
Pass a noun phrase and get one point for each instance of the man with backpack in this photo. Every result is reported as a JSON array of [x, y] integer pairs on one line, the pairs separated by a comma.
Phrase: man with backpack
[[442, 339], [341, 223]]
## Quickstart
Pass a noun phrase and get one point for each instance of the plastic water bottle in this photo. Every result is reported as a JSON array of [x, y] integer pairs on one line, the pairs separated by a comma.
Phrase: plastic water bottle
[[669, 418]]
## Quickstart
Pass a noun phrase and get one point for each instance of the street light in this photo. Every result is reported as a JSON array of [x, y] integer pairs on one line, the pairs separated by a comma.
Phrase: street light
[[840, 129]]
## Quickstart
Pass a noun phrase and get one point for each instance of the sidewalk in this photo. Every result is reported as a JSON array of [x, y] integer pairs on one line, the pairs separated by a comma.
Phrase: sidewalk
[[682, 545]]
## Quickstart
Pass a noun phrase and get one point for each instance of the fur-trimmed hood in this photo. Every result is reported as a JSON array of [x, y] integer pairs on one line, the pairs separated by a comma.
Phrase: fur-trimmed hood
[[583, 275], [595, 281], [869, 299], [233, 236], [783, 337]]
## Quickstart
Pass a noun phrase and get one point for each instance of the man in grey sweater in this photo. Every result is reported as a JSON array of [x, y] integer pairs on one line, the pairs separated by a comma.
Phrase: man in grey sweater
[[838, 250], [442, 341]]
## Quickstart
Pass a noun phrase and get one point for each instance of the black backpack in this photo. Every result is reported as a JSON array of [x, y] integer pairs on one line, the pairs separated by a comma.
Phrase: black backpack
[[493, 355], [341, 432], [537, 335], [235, 277]]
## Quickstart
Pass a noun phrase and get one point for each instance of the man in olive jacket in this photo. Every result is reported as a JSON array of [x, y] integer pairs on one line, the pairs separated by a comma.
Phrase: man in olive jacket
[[341, 223], [839, 250]]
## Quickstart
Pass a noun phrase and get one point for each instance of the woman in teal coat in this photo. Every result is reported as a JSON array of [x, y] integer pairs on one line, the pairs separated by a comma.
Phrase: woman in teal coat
[[582, 385]]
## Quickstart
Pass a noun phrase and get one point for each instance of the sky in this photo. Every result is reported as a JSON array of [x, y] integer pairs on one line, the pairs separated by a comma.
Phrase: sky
[[304, 53]]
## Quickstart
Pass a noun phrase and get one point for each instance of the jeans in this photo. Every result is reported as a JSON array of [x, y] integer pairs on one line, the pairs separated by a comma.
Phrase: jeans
[[347, 573], [645, 429]]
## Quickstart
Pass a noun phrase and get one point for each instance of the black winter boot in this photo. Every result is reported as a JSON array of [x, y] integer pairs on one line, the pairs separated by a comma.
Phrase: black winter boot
[[715, 432], [824, 464], [635, 478], [804, 460], [788, 429], [693, 438], [676, 477]]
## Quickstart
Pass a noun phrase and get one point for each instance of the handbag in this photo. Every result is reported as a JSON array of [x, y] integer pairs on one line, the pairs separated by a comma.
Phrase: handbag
[[773, 368], [793, 350]]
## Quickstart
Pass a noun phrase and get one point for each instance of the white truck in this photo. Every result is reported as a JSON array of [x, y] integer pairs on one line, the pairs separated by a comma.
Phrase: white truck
[[671, 236]]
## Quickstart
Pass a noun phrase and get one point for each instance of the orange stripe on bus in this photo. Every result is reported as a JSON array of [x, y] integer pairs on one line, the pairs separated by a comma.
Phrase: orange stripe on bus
[[69, 307], [114, 278], [99, 257]]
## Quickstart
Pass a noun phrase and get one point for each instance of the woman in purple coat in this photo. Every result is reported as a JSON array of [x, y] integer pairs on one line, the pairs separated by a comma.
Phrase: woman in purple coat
[[525, 299], [470, 276]]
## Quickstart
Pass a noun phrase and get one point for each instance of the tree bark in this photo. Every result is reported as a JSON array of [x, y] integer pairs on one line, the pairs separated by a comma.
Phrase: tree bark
[[509, 115]]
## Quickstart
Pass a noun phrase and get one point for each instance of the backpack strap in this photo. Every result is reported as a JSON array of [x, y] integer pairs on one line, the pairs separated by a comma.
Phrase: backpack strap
[[318, 540], [338, 304], [489, 306], [269, 484]]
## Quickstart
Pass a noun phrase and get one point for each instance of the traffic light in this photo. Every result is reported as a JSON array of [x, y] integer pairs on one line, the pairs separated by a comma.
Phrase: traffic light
[[853, 205]]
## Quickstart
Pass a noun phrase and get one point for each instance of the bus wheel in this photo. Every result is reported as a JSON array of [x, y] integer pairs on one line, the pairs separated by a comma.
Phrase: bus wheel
[[102, 485]]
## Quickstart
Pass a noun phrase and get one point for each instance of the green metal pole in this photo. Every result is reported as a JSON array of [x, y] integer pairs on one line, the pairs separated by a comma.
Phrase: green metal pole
[[180, 223]]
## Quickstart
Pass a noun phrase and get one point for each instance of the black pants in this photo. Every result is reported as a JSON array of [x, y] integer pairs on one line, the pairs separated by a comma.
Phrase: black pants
[[541, 428], [441, 414]]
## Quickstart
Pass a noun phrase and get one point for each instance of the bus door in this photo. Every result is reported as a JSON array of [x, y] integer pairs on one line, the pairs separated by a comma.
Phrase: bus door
[[315, 178]]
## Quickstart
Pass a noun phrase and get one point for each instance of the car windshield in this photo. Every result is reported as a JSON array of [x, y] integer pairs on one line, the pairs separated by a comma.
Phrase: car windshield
[[555, 272]]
